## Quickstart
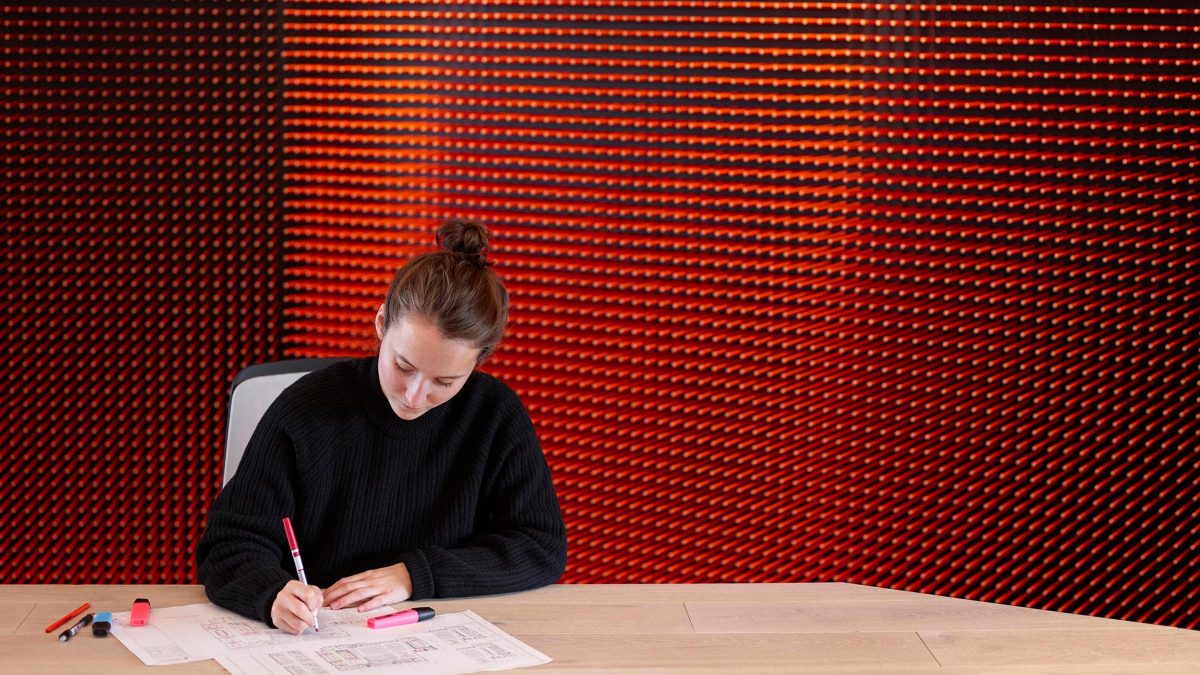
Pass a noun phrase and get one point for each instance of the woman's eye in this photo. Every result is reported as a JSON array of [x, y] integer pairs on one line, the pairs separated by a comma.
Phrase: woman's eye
[[404, 370], [446, 385]]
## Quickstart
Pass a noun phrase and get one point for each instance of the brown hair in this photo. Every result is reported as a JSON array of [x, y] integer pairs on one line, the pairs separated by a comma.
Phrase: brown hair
[[454, 288]]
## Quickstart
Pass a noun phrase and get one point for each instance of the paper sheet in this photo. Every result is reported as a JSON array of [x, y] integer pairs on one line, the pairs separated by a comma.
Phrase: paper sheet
[[205, 631], [448, 644]]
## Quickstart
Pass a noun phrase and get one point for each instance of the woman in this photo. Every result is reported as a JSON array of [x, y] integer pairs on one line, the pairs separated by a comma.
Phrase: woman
[[407, 476]]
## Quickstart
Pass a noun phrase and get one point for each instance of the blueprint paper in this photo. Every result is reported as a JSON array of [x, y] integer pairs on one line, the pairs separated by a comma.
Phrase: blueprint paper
[[448, 644], [205, 631]]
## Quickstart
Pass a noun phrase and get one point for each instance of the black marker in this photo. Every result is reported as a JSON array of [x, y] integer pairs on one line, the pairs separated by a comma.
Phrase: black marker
[[70, 632]]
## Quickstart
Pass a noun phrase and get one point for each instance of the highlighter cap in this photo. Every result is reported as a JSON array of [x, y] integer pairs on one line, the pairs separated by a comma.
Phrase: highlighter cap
[[140, 614], [102, 624]]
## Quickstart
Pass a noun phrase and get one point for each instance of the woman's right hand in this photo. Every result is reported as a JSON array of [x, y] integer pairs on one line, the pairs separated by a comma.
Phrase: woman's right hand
[[295, 607]]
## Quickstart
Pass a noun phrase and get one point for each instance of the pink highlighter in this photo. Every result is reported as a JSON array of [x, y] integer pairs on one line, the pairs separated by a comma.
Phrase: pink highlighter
[[401, 618]]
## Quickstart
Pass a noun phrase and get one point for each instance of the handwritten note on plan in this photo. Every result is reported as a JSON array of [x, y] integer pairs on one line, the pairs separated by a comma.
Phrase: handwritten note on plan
[[445, 645]]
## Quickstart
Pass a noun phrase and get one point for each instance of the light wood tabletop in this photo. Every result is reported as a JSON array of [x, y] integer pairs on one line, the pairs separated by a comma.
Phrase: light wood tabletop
[[688, 628]]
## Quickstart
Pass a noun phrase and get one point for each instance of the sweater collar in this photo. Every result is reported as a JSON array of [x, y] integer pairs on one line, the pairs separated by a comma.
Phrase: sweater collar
[[380, 412]]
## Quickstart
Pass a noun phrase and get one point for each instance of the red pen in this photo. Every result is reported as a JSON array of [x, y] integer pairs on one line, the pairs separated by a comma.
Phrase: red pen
[[67, 618], [291, 537], [401, 618]]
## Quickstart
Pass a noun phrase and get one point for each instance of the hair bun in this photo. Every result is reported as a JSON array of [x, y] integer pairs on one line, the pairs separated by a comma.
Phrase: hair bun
[[466, 239]]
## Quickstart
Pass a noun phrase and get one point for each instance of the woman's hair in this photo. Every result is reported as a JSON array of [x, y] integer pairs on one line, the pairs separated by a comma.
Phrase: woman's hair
[[454, 288]]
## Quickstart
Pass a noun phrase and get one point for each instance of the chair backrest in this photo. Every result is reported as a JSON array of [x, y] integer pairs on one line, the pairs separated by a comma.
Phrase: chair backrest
[[253, 391]]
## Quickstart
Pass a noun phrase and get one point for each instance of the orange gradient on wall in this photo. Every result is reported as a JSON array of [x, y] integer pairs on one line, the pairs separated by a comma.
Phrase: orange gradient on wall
[[894, 294], [884, 293]]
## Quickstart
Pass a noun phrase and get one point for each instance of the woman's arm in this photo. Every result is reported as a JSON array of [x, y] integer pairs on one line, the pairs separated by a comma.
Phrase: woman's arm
[[519, 541], [239, 559]]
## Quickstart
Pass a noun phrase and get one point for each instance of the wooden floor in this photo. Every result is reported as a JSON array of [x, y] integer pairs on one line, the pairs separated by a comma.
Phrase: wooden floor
[[707, 628]]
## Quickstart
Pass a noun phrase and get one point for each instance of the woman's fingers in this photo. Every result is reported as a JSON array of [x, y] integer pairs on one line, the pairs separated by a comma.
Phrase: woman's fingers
[[379, 600], [356, 596], [371, 589], [342, 588], [292, 623], [353, 590], [295, 607]]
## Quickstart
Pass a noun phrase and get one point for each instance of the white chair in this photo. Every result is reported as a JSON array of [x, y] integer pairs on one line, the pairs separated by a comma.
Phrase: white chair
[[253, 391]]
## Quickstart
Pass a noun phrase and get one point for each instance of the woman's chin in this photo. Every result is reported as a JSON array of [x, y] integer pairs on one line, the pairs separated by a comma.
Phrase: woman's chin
[[406, 413]]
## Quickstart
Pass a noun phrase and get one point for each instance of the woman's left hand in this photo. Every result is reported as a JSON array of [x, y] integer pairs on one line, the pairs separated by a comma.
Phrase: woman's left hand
[[371, 589]]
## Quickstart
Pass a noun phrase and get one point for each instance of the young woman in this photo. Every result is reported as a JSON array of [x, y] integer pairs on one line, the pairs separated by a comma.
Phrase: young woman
[[409, 475]]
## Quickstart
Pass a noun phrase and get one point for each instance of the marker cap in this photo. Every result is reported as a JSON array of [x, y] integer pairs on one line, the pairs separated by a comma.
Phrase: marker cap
[[140, 614], [102, 624], [291, 534]]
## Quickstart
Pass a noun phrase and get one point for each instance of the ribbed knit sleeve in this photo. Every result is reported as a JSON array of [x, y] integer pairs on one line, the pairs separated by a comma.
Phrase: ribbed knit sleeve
[[239, 555], [519, 541]]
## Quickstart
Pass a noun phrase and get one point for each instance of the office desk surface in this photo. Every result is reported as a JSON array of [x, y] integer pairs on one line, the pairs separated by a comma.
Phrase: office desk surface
[[700, 628]]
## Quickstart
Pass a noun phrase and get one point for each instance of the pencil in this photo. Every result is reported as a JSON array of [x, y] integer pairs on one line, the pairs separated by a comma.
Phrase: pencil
[[67, 618]]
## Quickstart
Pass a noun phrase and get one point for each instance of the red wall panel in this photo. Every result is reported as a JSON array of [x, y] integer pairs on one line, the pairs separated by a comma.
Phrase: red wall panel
[[891, 294], [887, 293], [141, 217]]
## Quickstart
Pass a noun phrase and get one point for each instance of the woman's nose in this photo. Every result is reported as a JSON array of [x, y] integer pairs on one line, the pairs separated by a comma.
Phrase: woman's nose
[[414, 393]]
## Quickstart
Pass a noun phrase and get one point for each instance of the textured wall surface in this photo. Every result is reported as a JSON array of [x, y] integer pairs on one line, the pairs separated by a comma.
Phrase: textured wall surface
[[891, 294], [141, 214], [881, 293]]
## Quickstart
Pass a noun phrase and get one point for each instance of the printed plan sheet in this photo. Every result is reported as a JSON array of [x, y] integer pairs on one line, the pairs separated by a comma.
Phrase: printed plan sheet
[[205, 631], [444, 645]]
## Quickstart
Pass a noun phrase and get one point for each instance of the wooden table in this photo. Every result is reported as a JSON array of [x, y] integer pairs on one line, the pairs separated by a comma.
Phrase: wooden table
[[702, 628]]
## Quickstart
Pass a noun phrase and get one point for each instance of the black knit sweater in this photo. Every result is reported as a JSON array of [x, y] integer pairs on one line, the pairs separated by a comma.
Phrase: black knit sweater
[[461, 495]]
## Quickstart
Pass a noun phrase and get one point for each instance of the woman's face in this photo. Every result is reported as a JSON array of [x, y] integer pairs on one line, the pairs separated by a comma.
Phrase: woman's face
[[419, 368]]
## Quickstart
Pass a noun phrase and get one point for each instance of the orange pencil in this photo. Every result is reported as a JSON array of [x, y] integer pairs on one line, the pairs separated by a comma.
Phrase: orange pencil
[[67, 618]]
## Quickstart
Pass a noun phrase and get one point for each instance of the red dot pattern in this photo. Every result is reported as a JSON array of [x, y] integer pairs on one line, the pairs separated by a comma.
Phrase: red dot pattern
[[893, 294], [142, 219]]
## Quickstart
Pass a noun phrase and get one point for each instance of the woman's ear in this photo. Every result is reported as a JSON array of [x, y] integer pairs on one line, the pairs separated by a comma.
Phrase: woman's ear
[[379, 319]]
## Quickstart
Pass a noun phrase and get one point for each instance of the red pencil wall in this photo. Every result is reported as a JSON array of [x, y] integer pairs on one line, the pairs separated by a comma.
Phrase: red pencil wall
[[142, 223], [889, 294]]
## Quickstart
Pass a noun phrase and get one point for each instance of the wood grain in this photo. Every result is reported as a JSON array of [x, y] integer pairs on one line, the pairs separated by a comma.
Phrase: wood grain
[[699, 629], [1102, 647], [920, 613]]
